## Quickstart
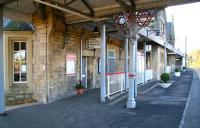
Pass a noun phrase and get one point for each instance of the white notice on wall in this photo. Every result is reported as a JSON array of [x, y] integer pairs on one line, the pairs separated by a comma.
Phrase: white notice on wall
[[71, 65]]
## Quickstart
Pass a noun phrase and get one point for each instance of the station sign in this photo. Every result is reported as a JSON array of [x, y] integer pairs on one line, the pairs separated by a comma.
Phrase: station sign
[[94, 43], [148, 48]]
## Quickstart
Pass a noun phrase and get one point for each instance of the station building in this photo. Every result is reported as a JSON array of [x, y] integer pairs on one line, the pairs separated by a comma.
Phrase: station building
[[48, 51]]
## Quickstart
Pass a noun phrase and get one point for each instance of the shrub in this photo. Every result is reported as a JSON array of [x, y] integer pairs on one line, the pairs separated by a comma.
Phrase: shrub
[[165, 77], [79, 85], [177, 70]]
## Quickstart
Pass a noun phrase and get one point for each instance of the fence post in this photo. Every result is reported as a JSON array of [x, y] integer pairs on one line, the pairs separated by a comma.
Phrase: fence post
[[108, 86], [124, 86], [121, 79]]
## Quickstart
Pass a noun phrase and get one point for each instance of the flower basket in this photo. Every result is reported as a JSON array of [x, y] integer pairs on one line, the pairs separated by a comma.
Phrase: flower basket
[[79, 88], [165, 78]]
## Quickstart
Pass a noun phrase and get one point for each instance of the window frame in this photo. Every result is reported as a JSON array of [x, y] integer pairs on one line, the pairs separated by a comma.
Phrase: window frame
[[26, 61], [112, 58]]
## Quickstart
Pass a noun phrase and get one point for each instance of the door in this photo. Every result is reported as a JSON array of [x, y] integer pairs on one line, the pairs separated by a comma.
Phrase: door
[[84, 71]]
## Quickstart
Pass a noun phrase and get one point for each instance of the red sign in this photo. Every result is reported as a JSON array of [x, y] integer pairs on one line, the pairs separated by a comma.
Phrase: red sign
[[131, 76]]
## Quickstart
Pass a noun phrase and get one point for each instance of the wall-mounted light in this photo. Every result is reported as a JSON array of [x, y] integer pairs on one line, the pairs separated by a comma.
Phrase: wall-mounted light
[[96, 30]]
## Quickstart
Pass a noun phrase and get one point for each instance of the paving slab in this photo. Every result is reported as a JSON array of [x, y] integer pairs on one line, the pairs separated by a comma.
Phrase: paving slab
[[158, 108], [191, 116]]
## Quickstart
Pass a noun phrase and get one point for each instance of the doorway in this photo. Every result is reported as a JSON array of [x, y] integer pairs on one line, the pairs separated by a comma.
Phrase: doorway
[[84, 71], [88, 71]]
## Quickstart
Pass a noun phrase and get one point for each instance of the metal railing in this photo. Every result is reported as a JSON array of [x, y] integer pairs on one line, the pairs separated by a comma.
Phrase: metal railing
[[149, 74], [115, 83], [170, 69]]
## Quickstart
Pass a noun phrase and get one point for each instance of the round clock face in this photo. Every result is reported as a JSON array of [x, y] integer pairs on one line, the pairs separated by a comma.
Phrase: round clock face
[[122, 20]]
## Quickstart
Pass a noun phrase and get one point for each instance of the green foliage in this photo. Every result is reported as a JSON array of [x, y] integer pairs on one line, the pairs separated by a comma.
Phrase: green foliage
[[79, 85], [177, 70], [165, 77], [194, 59]]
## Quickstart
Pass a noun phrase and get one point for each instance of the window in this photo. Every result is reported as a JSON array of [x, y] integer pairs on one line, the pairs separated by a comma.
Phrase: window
[[99, 65], [162, 27], [111, 61], [20, 62]]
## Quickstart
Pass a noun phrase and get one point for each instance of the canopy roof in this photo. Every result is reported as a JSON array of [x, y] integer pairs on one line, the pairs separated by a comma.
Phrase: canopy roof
[[83, 10], [76, 11]]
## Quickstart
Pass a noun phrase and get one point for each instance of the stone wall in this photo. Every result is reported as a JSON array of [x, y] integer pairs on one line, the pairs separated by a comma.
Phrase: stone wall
[[40, 55], [54, 40], [158, 61]]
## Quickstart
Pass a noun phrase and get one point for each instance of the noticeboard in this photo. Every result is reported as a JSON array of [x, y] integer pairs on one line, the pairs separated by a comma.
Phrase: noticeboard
[[70, 65], [94, 43]]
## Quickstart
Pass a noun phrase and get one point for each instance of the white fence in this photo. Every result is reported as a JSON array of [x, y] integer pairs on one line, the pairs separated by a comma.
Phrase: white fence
[[115, 83], [140, 77], [149, 74], [170, 69]]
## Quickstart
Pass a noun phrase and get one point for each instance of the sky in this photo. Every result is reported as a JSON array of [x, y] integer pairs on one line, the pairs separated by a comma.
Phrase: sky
[[187, 23]]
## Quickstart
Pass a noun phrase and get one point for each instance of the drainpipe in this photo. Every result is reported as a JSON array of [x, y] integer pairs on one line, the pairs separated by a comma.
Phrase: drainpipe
[[46, 65], [2, 100], [103, 63]]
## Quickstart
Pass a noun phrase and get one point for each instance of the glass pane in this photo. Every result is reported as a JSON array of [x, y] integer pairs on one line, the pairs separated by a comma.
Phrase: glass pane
[[17, 56], [23, 77], [16, 67], [111, 54], [111, 66], [23, 55], [16, 77], [23, 45], [16, 46], [23, 67]]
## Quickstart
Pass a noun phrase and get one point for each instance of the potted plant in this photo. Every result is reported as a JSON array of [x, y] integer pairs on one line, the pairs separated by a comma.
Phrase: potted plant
[[177, 72], [165, 78], [79, 88], [184, 68]]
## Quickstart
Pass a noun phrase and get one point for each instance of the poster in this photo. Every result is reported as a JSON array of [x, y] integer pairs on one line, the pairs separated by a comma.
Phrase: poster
[[70, 65]]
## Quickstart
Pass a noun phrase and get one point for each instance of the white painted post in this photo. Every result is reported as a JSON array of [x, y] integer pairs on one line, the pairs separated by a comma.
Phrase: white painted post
[[108, 86], [124, 86], [103, 63], [165, 57], [81, 57], [2, 100], [136, 63], [121, 81], [126, 64], [186, 59], [131, 103], [86, 74], [145, 66]]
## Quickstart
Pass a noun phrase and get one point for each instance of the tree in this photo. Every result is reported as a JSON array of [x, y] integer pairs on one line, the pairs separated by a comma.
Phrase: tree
[[194, 59]]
